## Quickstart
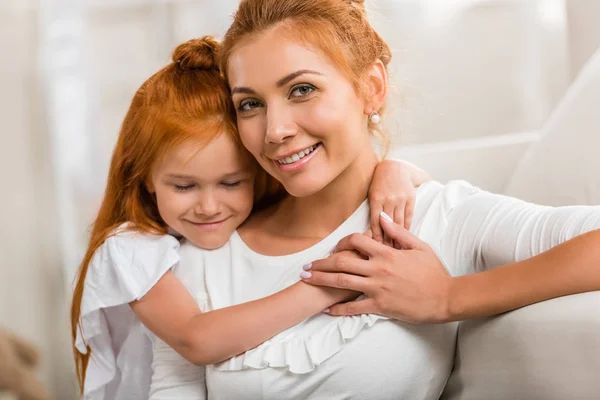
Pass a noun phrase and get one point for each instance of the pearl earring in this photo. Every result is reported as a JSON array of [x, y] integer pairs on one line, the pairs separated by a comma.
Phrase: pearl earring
[[374, 117]]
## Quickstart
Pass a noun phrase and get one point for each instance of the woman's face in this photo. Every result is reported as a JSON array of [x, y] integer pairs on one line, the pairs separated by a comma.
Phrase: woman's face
[[297, 113], [205, 194]]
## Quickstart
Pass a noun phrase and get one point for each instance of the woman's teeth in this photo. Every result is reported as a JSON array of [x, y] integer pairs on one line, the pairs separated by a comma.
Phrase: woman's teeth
[[295, 157]]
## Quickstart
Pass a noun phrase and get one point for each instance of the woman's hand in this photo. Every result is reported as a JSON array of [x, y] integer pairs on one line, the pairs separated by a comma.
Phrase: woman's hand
[[393, 192], [408, 283], [335, 295]]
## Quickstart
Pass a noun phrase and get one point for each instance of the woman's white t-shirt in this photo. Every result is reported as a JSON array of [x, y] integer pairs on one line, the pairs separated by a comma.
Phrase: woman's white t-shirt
[[367, 356]]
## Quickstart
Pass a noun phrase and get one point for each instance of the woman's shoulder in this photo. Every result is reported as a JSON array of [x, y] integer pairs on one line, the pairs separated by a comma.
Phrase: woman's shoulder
[[435, 202], [434, 195]]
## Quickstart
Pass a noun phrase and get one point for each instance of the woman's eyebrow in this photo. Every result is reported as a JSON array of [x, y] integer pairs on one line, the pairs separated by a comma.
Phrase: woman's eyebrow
[[286, 79], [283, 81], [242, 89]]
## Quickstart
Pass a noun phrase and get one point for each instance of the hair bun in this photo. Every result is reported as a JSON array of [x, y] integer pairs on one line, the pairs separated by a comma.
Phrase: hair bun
[[197, 54], [358, 3]]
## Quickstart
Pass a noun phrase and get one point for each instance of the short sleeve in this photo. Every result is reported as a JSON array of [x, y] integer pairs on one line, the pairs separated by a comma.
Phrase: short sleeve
[[123, 269]]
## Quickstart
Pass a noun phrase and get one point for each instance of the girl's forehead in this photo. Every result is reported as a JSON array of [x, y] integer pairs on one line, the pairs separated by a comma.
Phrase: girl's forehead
[[220, 156]]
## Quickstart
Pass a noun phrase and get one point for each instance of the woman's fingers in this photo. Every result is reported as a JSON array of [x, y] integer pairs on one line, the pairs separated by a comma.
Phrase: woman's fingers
[[361, 243], [341, 262], [336, 280], [403, 239], [364, 306]]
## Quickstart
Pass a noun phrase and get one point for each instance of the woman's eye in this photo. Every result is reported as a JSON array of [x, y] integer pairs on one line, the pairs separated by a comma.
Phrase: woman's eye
[[248, 105], [302, 90], [230, 185], [184, 188]]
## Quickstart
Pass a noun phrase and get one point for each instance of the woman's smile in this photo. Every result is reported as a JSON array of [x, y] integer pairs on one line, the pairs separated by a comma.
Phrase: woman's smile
[[298, 160]]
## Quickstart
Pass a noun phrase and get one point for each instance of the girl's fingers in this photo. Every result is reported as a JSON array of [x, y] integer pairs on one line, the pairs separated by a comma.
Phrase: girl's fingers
[[364, 306]]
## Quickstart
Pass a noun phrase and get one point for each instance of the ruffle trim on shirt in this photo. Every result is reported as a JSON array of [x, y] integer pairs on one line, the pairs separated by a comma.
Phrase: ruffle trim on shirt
[[122, 270], [301, 355]]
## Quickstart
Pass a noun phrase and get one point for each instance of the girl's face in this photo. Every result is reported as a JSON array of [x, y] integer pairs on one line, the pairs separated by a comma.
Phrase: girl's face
[[205, 194], [297, 113]]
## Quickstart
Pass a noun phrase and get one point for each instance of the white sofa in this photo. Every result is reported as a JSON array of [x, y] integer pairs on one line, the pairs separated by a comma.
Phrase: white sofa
[[550, 350]]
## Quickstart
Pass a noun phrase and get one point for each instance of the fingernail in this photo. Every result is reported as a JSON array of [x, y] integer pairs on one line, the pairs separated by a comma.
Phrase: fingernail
[[333, 250], [326, 311], [305, 275], [386, 217], [307, 267]]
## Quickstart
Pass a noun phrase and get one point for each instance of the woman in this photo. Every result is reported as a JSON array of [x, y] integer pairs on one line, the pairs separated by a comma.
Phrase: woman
[[309, 78]]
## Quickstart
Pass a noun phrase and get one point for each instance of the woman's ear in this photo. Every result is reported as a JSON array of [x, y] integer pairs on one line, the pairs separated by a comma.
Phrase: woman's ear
[[376, 87]]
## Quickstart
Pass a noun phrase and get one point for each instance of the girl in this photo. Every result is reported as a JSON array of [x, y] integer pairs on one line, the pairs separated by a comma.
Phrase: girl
[[312, 75], [179, 173]]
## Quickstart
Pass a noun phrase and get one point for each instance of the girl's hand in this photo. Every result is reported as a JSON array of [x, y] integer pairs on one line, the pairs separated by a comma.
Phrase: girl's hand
[[393, 192], [408, 283]]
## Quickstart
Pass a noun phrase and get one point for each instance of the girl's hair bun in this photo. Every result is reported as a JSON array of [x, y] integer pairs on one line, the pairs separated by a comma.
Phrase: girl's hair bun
[[197, 54]]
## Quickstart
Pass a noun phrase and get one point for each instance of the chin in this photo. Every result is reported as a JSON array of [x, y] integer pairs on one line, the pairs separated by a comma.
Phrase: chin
[[304, 188], [210, 243]]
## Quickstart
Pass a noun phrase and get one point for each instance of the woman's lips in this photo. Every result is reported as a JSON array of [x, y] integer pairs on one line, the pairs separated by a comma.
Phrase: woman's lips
[[300, 164]]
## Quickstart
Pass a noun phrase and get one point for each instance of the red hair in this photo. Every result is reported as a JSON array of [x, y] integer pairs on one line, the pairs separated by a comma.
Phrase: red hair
[[339, 28], [186, 100]]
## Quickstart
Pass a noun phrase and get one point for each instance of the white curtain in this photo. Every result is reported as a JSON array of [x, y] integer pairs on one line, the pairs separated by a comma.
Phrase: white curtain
[[462, 69]]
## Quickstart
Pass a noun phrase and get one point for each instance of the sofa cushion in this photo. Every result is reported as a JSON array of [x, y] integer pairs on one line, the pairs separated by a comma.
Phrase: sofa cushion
[[563, 168], [549, 351]]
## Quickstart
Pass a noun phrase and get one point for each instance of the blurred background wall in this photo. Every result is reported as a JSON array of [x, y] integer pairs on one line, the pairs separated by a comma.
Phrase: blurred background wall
[[463, 71]]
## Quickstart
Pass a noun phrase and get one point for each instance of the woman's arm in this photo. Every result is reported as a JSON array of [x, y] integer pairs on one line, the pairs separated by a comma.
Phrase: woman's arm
[[569, 268], [172, 314], [392, 191], [483, 230]]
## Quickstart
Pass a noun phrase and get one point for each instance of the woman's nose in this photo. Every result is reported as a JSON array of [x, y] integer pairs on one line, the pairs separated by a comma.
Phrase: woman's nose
[[279, 128]]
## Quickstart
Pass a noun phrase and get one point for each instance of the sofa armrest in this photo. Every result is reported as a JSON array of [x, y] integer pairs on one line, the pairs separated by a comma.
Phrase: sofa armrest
[[549, 350]]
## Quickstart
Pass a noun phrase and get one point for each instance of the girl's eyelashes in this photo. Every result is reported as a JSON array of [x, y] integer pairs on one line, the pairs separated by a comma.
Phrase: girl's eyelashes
[[301, 90], [183, 188], [231, 185]]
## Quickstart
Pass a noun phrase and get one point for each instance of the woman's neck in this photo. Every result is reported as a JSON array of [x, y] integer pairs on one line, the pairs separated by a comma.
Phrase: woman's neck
[[316, 216]]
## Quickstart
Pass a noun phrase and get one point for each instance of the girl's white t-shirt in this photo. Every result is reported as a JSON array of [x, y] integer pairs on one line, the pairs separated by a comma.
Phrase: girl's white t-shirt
[[366, 356], [123, 269]]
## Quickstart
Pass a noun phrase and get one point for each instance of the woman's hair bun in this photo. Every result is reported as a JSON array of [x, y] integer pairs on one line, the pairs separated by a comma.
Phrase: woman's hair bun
[[197, 54]]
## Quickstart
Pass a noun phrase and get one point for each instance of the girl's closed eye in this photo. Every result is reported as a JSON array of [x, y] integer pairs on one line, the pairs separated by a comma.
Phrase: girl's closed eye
[[231, 184], [184, 188]]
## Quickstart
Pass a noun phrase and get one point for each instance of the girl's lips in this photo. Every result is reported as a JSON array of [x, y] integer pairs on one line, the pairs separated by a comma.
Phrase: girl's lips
[[208, 225], [300, 164]]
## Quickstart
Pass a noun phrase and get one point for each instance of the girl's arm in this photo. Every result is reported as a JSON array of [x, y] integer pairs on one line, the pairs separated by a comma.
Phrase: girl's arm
[[393, 192], [172, 314]]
